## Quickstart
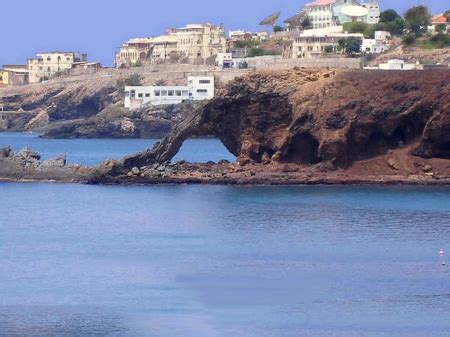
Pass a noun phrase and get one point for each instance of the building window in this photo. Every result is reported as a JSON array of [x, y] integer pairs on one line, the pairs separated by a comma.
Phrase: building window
[[49, 59], [170, 93], [202, 91], [178, 92], [204, 81], [157, 93], [140, 95], [185, 93], [147, 94]]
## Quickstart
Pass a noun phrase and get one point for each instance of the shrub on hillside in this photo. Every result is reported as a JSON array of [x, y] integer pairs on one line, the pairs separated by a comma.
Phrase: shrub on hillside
[[132, 80], [409, 39]]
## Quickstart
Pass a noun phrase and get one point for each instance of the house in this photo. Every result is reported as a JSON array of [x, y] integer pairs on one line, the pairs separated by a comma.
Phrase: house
[[224, 60], [328, 13], [198, 88], [14, 75], [396, 64], [49, 64], [191, 42], [377, 45], [240, 35], [442, 19], [133, 51], [311, 46]]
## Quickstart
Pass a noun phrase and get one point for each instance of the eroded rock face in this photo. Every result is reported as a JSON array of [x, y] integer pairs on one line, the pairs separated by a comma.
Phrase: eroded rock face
[[309, 117]]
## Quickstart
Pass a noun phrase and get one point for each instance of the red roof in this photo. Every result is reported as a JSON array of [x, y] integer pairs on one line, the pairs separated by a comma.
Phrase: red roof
[[438, 19], [321, 3]]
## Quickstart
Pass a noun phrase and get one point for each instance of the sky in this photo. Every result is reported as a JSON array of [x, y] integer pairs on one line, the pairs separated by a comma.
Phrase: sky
[[98, 27]]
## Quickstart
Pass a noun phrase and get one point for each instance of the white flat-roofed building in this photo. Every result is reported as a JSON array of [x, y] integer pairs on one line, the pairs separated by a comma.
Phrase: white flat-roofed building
[[396, 64], [377, 45], [198, 88]]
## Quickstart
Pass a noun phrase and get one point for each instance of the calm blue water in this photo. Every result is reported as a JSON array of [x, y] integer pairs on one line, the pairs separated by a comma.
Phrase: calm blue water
[[201, 261], [223, 261], [92, 152]]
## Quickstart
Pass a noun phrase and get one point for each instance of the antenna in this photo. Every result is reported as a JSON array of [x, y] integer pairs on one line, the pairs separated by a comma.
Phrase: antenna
[[271, 20]]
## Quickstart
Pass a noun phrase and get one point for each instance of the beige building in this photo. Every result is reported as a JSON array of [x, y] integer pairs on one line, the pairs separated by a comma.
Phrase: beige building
[[49, 64], [134, 51], [14, 75], [310, 46], [192, 41]]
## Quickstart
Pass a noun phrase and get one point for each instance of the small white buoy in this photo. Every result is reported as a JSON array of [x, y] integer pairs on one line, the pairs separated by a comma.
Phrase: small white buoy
[[442, 254]]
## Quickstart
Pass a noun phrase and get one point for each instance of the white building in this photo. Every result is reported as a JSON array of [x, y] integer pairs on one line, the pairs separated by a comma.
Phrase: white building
[[224, 60], [396, 65], [377, 45], [328, 13], [198, 88], [374, 11]]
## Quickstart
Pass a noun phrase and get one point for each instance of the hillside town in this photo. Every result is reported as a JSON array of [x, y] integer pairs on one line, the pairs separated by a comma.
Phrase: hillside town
[[324, 33]]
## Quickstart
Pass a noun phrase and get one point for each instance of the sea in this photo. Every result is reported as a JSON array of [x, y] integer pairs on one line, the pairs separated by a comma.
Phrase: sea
[[228, 261]]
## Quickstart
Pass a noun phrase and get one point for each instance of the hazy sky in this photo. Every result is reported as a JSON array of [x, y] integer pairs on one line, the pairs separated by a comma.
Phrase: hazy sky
[[97, 27]]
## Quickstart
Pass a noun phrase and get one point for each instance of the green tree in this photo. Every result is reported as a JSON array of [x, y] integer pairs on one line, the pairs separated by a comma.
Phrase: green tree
[[441, 28], [256, 52], [355, 27], [447, 15], [351, 45], [278, 29], [396, 27], [328, 49], [388, 16], [409, 39], [417, 19]]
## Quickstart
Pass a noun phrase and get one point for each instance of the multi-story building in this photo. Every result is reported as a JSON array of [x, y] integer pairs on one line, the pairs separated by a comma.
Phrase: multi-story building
[[310, 46], [200, 40], [193, 41], [133, 51], [49, 64], [327, 13], [373, 9], [198, 88], [377, 45]]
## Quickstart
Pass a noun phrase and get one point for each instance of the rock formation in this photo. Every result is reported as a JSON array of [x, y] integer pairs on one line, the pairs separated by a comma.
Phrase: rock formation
[[308, 117], [28, 165]]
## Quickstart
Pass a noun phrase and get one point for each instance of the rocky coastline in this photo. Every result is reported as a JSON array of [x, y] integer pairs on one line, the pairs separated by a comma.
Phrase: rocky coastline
[[292, 128]]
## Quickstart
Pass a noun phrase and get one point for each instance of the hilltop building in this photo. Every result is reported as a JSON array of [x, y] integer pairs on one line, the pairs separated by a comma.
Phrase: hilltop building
[[14, 75], [191, 42], [438, 20], [198, 88], [311, 46], [49, 64], [377, 45], [328, 13]]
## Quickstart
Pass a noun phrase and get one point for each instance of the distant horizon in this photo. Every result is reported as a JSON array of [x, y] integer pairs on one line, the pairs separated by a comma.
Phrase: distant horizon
[[45, 26]]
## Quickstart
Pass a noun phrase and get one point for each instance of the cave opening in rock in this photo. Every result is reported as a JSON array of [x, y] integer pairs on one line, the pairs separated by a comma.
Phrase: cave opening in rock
[[203, 150], [303, 149]]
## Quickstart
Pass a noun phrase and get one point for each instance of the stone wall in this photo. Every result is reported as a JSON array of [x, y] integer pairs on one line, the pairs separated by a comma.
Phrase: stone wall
[[278, 63]]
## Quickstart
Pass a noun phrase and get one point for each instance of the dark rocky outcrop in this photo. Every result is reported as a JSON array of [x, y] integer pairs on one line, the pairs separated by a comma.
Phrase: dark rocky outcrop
[[26, 164], [117, 122], [309, 117]]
